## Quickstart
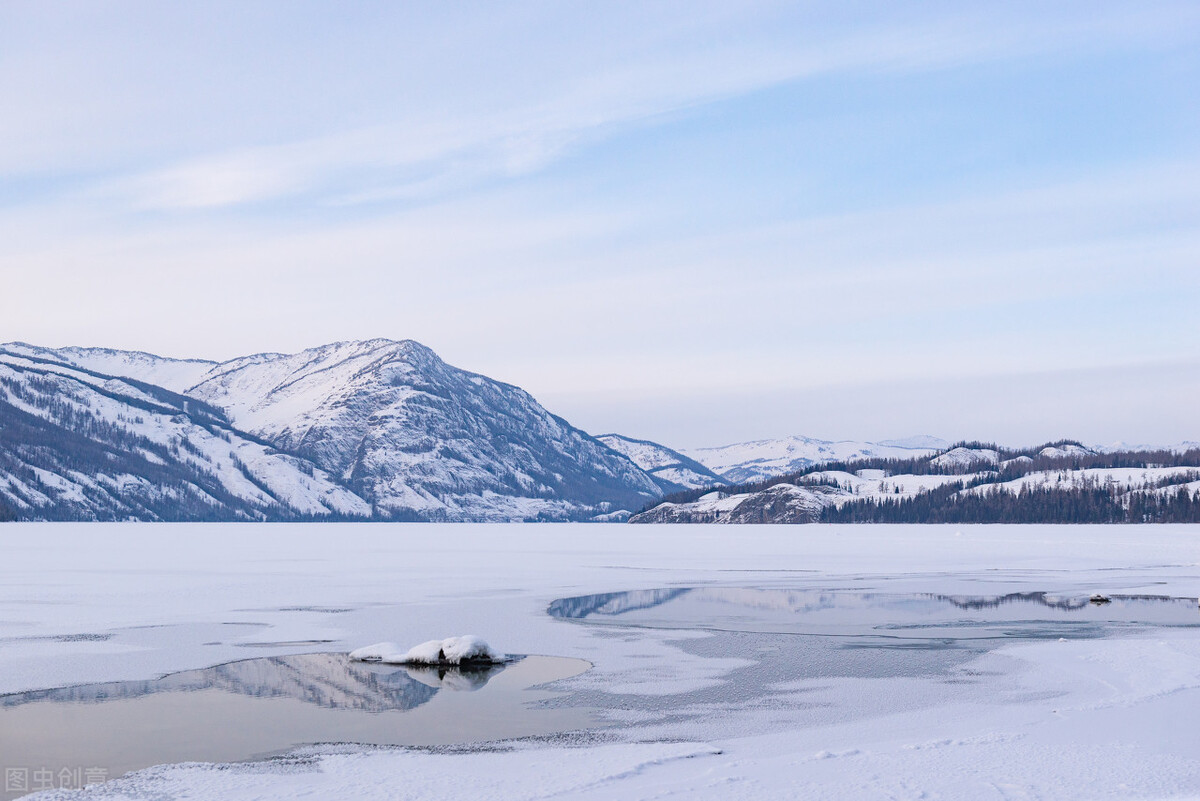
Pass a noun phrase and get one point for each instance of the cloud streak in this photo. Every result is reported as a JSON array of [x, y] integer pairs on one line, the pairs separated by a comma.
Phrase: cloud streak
[[620, 77]]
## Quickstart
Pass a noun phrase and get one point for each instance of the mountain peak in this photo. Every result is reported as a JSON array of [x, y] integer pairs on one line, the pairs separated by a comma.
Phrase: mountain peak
[[411, 436]]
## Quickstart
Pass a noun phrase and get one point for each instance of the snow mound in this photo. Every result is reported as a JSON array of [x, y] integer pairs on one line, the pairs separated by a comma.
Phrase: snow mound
[[464, 650]]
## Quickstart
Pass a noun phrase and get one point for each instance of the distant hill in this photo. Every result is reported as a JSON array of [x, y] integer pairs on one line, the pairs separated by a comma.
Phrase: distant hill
[[1061, 482], [747, 462]]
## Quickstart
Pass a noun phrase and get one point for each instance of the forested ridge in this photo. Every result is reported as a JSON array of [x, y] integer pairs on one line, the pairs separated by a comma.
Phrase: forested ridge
[[1066, 485]]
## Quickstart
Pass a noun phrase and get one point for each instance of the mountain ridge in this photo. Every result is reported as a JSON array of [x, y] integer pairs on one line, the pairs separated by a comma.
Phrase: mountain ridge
[[385, 429], [80, 444], [672, 470], [758, 460], [409, 436], [969, 482]]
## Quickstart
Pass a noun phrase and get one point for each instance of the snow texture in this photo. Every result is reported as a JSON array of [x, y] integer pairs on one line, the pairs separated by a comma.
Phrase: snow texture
[[781, 503], [964, 459], [87, 445], [1070, 719], [671, 469]]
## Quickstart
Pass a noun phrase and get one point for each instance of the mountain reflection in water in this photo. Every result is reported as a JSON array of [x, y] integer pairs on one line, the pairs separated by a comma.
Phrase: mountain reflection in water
[[846, 612], [258, 707], [330, 681]]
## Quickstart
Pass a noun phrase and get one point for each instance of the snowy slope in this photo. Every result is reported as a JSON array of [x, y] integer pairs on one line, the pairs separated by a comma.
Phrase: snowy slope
[[403, 429], [671, 469], [413, 435], [1065, 451], [173, 374], [801, 502], [781, 503], [418, 437], [1121, 479], [965, 459], [747, 462], [76, 444]]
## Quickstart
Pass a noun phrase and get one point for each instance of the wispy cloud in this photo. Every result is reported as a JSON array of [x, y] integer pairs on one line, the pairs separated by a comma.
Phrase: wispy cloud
[[620, 77]]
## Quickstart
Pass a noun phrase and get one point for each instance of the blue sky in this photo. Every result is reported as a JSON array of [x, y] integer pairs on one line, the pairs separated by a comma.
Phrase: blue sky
[[692, 222]]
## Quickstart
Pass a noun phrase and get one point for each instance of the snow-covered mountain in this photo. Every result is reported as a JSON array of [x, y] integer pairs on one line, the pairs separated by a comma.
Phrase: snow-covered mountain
[[79, 444], [415, 436], [398, 430], [670, 469], [747, 462], [383, 429]]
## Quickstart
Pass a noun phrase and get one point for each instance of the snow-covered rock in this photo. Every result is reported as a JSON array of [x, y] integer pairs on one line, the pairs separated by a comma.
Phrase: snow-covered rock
[[467, 649]]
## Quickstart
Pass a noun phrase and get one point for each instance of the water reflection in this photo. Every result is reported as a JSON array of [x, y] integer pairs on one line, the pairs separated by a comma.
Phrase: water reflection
[[325, 680], [257, 707], [464, 678], [846, 613]]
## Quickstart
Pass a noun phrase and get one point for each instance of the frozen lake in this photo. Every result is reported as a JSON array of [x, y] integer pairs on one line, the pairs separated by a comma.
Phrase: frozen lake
[[749, 662]]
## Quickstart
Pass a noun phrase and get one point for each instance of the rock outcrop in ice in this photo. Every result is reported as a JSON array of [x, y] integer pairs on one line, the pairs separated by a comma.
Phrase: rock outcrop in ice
[[457, 651]]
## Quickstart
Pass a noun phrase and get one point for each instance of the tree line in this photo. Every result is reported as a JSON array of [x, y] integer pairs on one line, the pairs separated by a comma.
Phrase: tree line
[[1089, 503]]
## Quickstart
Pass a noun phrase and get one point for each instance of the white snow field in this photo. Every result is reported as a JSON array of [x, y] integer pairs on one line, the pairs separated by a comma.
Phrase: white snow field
[[678, 714]]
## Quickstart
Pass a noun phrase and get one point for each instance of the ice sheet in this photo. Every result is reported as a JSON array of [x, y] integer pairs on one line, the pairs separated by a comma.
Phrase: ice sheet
[[1110, 718]]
